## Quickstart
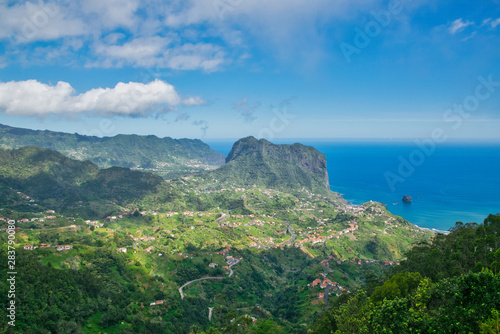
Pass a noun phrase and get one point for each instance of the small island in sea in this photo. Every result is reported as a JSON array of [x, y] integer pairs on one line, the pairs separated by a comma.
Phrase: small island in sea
[[407, 199]]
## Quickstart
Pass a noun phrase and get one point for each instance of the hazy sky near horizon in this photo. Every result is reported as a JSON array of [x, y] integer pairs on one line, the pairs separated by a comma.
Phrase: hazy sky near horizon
[[234, 68]]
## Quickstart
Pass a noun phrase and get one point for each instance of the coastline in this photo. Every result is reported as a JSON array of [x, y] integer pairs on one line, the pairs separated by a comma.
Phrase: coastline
[[450, 186]]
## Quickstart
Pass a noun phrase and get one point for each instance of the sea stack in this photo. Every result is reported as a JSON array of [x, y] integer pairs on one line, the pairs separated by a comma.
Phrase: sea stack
[[406, 199]]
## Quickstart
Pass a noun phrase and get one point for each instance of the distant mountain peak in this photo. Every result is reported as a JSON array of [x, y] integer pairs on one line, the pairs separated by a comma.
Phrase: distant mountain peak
[[254, 161]]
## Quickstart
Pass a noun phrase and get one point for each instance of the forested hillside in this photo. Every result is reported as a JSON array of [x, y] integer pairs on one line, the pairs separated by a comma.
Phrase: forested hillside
[[451, 285], [68, 185]]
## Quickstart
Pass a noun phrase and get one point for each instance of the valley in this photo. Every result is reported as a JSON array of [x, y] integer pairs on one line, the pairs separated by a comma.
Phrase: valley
[[277, 242], [197, 253]]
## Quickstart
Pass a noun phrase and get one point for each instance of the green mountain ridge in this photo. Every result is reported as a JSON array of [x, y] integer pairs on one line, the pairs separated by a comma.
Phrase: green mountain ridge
[[166, 157], [60, 182]]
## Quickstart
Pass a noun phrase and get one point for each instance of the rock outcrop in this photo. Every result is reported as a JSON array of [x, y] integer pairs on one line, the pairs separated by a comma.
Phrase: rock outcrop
[[263, 163]]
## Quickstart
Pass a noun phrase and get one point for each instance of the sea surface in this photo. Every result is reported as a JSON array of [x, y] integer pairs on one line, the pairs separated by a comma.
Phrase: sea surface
[[449, 182]]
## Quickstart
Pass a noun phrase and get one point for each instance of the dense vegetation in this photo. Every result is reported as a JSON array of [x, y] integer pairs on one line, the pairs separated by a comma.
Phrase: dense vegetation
[[165, 156], [270, 283], [93, 288], [70, 185], [451, 285]]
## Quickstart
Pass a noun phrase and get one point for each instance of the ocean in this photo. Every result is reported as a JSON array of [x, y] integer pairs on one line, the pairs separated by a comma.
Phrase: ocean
[[449, 182]]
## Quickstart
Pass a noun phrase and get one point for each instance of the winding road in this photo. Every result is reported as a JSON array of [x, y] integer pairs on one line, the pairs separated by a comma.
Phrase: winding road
[[231, 272], [196, 280], [292, 239]]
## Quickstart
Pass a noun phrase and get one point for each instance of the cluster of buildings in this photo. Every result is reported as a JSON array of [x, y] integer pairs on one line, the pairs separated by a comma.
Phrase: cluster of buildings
[[113, 218], [326, 282], [142, 238], [262, 242], [254, 319], [27, 198], [190, 214], [225, 251], [158, 302], [391, 263], [147, 213], [232, 260], [358, 261], [26, 220], [317, 238], [59, 247], [9, 221], [94, 223], [255, 222], [184, 256]]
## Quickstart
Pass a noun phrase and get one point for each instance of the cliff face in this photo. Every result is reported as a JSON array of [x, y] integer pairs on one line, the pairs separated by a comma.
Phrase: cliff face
[[263, 163]]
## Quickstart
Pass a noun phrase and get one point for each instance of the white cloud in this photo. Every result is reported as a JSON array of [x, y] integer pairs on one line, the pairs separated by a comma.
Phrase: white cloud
[[33, 98], [495, 23], [193, 101], [485, 22], [138, 52], [159, 52], [27, 22], [168, 34], [289, 29], [207, 57], [458, 25], [95, 22], [275, 13], [469, 37], [112, 13]]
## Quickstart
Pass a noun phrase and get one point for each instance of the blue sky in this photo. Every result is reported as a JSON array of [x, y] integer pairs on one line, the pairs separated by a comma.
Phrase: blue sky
[[233, 68]]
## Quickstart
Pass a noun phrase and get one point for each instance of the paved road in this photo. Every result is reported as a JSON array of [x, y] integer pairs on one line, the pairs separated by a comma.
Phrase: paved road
[[292, 239], [231, 272], [199, 279], [325, 296]]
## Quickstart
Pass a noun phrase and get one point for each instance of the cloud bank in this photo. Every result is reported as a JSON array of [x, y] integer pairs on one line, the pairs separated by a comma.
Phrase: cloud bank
[[181, 35], [33, 98]]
